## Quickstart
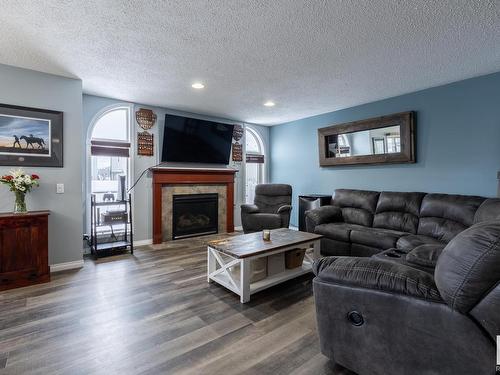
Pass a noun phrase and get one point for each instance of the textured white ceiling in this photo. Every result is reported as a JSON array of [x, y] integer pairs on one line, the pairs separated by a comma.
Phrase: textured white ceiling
[[310, 57]]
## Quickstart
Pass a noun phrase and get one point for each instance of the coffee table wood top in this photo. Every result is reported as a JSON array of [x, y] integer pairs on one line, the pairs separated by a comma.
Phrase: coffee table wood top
[[250, 244]]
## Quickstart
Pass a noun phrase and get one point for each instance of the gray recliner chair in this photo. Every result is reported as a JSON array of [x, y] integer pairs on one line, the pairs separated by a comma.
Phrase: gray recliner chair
[[434, 312], [271, 208]]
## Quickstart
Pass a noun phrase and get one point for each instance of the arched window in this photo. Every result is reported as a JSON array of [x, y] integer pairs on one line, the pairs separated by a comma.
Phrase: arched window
[[254, 166], [109, 150], [112, 125]]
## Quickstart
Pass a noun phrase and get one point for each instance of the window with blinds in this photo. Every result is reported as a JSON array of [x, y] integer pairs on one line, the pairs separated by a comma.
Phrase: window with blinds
[[110, 152], [254, 166], [109, 148]]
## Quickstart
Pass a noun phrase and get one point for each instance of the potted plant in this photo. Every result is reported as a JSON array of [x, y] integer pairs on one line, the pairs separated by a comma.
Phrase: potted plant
[[20, 183]]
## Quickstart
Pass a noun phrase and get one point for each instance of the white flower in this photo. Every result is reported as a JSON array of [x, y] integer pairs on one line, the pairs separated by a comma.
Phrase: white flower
[[17, 173], [21, 181]]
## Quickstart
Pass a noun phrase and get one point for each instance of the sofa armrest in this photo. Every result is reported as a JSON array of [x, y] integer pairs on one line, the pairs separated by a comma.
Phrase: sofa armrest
[[249, 208], [321, 215], [285, 209], [425, 255], [373, 273]]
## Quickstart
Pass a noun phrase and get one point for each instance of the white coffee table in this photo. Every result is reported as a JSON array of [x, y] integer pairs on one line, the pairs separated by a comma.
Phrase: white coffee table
[[225, 254]]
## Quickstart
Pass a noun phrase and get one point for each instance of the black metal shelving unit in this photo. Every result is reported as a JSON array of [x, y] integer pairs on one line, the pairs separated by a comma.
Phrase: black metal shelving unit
[[121, 241]]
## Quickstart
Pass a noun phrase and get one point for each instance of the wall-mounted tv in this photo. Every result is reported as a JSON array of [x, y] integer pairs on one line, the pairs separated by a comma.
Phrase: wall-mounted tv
[[191, 140]]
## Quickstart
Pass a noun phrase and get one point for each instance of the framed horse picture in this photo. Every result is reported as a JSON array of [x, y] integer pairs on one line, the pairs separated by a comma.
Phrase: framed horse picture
[[30, 137]]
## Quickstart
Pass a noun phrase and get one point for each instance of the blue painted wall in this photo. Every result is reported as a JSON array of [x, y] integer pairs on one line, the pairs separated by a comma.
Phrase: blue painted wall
[[458, 144]]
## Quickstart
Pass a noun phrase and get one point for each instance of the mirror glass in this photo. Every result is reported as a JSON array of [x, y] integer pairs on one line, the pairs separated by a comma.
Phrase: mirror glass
[[385, 140]]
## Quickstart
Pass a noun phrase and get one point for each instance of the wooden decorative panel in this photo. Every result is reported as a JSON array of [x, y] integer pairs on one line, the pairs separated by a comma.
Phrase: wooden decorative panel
[[237, 152], [145, 144]]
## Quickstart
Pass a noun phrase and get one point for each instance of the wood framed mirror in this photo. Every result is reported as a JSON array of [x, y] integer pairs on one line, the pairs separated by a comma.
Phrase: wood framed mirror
[[386, 139]]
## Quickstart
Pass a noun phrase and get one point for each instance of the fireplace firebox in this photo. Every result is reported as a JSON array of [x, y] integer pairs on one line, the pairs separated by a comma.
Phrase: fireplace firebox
[[194, 215]]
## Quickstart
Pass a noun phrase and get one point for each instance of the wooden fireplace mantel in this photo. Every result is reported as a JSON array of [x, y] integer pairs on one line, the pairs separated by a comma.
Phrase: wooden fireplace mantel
[[175, 176]]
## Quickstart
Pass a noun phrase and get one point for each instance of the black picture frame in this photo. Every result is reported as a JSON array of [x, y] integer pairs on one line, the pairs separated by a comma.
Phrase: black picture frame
[[44, 148]]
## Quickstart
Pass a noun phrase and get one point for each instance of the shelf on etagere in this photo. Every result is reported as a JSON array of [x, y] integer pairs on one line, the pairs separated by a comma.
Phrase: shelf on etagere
[[113, 245], [110, 203], [114, 224], [123, 228]]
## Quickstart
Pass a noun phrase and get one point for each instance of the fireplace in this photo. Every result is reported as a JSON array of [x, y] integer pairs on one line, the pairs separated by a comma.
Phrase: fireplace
[[170, 181], [194, 215]]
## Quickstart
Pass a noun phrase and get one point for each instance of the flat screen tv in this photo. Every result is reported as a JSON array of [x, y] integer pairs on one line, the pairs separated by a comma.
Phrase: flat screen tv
[[196, 141]]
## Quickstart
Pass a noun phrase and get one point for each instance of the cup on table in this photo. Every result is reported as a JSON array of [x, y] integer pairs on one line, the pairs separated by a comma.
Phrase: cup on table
[[266, 235]]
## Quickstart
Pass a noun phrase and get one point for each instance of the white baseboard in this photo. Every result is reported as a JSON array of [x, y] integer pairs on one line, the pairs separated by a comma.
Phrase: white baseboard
[[240, 228], [143, 242], [66, 266]]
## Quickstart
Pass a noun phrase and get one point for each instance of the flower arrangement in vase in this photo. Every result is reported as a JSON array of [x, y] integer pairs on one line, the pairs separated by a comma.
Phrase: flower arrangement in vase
[[20, 183]]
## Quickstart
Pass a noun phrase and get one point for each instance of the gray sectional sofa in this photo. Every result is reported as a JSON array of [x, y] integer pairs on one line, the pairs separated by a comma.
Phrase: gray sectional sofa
[[363, 223], [412, 283]]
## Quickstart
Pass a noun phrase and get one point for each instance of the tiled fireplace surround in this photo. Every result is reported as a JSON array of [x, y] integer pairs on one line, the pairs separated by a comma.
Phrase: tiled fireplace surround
[[168, 191], [168, 182]]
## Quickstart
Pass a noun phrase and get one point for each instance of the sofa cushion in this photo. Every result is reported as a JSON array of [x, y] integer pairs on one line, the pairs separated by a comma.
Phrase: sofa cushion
[[425, 255], [273, 190], [392, 255], [443, 216], [373, 273], [262, 221], [486, 311], [322, 215], [469, 266], [249, 208], [488, 210], [331, 247], [412, 241], [358, 206], [398, 211], [270, 197], [359, 250], [376, 237], [336, 231]]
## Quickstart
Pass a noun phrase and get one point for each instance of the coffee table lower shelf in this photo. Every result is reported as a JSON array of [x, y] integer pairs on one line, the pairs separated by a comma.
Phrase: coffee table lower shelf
[[220, 265]]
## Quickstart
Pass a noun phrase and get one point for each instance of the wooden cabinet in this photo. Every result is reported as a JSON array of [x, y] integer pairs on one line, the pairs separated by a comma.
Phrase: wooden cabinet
[[23, 249]]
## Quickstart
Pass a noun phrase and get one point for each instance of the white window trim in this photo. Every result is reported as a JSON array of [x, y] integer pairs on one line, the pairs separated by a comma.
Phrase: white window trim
[[263, 166], [88, 165]]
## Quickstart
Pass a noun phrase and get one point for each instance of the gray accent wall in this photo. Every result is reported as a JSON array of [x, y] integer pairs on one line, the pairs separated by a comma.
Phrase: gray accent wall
[[142, 195], [39, 90]]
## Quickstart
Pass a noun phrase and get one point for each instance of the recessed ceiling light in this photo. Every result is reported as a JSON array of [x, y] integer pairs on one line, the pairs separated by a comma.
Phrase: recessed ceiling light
[[269, 103], [197, 85]]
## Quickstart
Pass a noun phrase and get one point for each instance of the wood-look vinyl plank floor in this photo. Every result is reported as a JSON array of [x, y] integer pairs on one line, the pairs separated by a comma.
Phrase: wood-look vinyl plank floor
[[155, 313]]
